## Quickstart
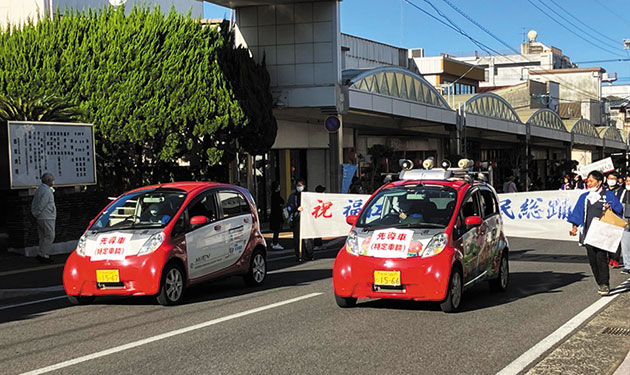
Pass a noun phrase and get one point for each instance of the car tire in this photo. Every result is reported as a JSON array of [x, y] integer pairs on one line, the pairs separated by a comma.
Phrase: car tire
[[454, 293], [80, 300], [172, 285], [345, 302], [500, 284], [257, 272]]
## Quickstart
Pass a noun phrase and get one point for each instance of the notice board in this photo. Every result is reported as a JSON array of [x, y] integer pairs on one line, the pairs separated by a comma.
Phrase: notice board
[[64, 149]]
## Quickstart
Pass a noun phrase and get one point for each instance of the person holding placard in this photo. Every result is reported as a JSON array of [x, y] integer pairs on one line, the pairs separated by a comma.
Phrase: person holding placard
[[591, 205], [624, 198], [44, 210]]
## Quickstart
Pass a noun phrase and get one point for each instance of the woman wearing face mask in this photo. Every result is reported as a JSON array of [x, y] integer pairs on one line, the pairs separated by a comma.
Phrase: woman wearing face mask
[[624, 198], [294, 206], [590, 205], [612, 184]]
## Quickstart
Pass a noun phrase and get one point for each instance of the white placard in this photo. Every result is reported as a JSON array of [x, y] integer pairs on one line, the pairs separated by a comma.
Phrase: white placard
[[603, 165], [324, 215], [66, 150], [538, 214], [604, 236]]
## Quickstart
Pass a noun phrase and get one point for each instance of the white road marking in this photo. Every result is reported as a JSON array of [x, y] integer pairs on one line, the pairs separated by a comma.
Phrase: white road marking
[[165, 335], [32, 302], [32, 269], [520, 363]]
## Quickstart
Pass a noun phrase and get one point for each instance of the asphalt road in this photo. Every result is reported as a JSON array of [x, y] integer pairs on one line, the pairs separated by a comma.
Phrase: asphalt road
[[292, 325]]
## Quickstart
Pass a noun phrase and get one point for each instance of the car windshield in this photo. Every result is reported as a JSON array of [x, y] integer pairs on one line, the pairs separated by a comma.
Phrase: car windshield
[[418, 206], [141, 209]]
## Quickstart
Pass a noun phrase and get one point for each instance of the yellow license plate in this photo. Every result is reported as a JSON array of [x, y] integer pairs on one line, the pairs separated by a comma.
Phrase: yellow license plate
[[391, 278], [107, 276]]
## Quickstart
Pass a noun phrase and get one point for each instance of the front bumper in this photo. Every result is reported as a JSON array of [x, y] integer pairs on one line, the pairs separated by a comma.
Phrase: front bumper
[[139, 275], [422, 279]]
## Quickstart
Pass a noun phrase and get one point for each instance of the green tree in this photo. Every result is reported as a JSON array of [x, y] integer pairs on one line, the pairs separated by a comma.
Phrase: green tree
[[159, 90]]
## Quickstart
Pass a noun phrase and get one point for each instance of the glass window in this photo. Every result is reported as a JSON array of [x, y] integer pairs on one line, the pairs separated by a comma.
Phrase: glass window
[[204, 207], [488, 203], [423, 206], [232, 203], [141, 209]]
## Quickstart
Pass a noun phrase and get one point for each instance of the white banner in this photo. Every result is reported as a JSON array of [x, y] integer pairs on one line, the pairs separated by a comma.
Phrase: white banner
[[603, 165], [538, 214], [324, 215], [535, 214]]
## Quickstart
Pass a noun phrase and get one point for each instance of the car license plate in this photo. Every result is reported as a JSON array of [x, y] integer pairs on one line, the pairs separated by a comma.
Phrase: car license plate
[[107, 276], [391, 278]]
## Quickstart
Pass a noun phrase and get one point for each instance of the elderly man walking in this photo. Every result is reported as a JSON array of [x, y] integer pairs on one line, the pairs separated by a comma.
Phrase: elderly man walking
[[44, 210]]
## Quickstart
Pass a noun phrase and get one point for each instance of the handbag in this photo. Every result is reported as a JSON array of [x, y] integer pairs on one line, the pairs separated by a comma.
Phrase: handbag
[[610, 217]]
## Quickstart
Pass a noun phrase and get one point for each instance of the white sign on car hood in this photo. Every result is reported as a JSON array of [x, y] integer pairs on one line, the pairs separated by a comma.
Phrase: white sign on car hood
[[115, 245]]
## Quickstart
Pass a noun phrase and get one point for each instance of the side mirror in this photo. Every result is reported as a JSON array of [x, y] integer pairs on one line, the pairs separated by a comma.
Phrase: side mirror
[[352, 219], [198, 220], [473, 221]]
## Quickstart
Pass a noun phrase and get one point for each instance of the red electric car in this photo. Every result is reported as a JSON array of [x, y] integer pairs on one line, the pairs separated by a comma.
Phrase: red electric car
[[426, 237], [158, 240]]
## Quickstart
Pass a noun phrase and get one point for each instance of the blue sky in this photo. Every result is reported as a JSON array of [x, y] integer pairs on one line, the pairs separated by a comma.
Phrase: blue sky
[[605, 23]]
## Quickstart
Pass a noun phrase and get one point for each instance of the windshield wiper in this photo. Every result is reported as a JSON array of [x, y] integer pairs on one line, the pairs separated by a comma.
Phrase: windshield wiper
[[418, 225]]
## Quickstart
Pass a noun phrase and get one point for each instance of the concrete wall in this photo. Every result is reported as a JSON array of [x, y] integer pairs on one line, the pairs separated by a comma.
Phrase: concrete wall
[[359, 53], [301, 45], [17, 12]]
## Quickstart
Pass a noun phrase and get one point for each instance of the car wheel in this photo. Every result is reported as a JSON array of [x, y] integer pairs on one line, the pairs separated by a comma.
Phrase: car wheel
[[345, 301], [172, 285], [257, 269], [454, 292], [500, 284], [80, 300]]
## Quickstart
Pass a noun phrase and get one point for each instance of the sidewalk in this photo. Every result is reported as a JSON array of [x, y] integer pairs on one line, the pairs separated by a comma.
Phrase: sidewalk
[[600, 346]]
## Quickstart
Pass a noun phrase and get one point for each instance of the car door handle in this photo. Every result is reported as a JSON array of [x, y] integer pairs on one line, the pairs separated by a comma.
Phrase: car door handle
[[217, 227]]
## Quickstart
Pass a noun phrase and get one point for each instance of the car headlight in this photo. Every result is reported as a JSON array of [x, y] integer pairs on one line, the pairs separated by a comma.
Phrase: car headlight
[[81, 245], [436, 245], [152, 243], [352, 244]]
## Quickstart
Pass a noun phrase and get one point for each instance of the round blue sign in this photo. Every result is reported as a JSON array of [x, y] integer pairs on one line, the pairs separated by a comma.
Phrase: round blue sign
[[332, 124]]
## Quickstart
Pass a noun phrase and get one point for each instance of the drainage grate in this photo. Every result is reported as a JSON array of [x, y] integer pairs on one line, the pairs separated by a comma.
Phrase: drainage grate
[[616, 331]]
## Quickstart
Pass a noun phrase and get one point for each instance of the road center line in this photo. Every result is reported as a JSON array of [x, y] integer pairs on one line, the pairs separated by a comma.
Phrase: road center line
[[520, 363], [166, 335]]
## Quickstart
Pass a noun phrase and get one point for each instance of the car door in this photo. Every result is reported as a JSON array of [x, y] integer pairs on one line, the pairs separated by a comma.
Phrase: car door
[[467, 238], [203, 241], [489, 229], [236, 224]]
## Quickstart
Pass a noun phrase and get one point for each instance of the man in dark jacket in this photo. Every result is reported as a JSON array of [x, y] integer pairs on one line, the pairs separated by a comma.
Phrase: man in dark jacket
[[294, 206], [591, 205]]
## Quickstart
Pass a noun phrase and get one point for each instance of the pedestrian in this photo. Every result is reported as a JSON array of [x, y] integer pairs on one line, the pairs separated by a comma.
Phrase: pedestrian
[[578, 183], [318, 242], [590, 205], [509, 186], [566, 184], [45, 212], [294, 206], [275, 218], [612, 184], [624, 198]]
